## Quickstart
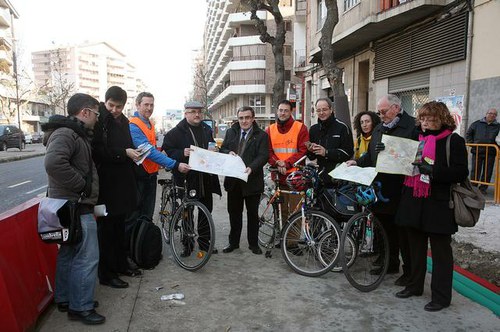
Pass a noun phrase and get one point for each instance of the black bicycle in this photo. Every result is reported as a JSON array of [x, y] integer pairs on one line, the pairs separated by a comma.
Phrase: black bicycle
[[187, 225]]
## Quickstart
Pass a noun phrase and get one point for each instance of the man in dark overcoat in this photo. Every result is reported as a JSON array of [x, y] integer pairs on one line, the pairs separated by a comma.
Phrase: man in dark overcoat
[[251, 143], [395, 122]]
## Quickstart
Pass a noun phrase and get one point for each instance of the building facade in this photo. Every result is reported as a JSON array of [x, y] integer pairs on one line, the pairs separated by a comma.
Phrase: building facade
[[88, 68], [419, 50], [239, 67]]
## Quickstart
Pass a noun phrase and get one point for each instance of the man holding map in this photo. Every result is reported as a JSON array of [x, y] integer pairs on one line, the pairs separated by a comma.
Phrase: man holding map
[[192, 131], [395, 122], [248, 141]]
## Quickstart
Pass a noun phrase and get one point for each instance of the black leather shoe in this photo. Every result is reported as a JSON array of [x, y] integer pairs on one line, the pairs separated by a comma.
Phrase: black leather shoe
[[131, 273], [406, 293], [89, 317], [402, 280], [256, 250], [433, 306], [114, 283], [229, 248], [64, 306]]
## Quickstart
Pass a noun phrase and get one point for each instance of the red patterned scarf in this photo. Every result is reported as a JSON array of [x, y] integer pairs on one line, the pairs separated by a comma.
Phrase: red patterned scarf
[[420, 188]]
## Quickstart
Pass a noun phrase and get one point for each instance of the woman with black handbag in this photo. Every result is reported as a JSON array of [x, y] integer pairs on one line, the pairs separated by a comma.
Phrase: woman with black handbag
[[424, 208]]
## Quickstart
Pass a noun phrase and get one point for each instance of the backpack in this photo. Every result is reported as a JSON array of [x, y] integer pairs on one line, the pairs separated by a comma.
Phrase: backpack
[[146, 243], [340, 203], [465, 199]]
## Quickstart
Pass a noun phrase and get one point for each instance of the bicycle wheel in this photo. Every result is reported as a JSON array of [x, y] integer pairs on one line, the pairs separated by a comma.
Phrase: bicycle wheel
[[168, 205], [303, 249], [349, 250], [267, 222], [192, 235], [372, 252]]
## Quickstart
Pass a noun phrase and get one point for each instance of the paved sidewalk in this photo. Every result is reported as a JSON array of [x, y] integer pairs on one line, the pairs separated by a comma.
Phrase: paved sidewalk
[[241, 291]]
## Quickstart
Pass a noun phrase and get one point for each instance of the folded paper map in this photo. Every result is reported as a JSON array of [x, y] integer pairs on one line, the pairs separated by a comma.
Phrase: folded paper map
[[206, 161]]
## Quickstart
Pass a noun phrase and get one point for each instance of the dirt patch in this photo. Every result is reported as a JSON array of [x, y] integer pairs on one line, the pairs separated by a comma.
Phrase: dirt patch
[[482, 263]]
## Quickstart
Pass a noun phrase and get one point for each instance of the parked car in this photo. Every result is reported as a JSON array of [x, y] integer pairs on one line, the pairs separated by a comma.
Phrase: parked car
[[28, 138], [37, 137], [11, 137]]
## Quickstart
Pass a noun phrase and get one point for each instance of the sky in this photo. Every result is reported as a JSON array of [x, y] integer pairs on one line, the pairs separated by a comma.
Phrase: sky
[[159, 37]]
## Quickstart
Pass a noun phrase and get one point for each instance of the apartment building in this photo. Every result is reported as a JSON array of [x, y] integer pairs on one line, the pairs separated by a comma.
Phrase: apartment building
[[240, 68], [89, 68], [7, 82], [419, 50]]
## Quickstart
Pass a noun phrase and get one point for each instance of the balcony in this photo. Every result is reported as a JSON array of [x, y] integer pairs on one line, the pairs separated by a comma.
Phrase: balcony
[[4, 17], [375, 19], [237, 19], [236, 65], [232, 90]]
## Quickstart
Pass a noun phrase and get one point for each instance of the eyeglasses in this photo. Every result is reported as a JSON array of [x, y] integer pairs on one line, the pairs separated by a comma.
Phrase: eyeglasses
[[97, 113], [322, 110], [195, 112], [384, 110], [249, 117]]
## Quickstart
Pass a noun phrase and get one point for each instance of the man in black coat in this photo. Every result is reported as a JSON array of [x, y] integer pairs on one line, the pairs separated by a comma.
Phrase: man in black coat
[[113, 154], [395, 122], [251, 143], [176, 143]]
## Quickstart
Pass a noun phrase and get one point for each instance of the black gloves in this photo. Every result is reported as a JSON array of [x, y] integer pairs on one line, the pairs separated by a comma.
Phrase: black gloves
[[380, 147], [424, 168]]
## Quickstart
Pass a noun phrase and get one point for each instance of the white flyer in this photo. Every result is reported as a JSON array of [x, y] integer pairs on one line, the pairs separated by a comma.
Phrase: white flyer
[[398, 155], [206, 161], [361, 175]]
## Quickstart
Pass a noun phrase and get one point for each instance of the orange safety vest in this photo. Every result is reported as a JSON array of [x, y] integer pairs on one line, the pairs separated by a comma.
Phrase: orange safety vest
[[285, 145], [149, 165]]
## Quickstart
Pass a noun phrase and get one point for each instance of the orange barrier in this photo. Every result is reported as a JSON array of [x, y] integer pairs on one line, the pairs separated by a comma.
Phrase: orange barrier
[[27, 268], [488, 158]]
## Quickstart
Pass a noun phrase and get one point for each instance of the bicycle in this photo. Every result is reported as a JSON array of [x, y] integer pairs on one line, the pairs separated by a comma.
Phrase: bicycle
[[371, 244], [187, 226], [303, 233]]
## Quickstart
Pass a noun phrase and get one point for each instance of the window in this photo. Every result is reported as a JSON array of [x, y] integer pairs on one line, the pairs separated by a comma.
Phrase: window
[[288, 25], [258, 102], [288, 75], [348, 4], [321, 13]]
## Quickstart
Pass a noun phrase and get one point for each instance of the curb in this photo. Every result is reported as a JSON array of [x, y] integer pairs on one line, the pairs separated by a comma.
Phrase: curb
[[15, 158]]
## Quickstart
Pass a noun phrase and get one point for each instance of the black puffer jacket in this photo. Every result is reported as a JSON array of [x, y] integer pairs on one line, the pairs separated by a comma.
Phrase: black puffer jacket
[[336, 138]]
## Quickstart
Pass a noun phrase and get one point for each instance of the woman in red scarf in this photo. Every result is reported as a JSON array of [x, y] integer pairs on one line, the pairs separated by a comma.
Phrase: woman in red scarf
[[424, 208]]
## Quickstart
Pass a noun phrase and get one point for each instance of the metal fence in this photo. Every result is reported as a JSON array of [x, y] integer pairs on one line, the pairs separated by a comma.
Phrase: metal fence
[[484, 156]]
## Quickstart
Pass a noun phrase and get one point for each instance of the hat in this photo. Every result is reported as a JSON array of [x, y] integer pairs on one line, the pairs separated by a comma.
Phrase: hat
[[193, 104]]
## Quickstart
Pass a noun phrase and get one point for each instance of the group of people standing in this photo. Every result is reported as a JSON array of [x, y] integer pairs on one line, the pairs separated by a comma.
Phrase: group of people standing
[[92, 153]]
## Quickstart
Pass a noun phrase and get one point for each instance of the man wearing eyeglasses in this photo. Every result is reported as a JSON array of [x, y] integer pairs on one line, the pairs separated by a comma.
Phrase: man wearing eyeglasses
[[143, 134], [176, 143], [483, 131], [73, 176], [248, 141], [395, 122], [287, 144]]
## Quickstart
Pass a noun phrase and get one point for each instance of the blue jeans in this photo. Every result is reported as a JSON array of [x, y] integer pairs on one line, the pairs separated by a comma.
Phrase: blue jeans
[[76, 271]]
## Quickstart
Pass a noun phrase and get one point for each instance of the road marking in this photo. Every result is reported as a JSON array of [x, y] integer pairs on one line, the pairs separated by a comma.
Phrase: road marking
[[19, 184], [37, 189]]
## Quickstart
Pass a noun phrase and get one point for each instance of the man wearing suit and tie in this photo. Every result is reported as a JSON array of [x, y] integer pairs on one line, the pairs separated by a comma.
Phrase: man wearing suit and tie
[[248, 141]]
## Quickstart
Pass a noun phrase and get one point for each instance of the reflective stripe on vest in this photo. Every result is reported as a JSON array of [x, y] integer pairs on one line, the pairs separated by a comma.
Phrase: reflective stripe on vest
[[150, 166], [285, 145]]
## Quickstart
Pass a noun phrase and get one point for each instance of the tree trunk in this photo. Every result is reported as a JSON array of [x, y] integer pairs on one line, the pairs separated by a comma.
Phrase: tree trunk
[[333, 73]]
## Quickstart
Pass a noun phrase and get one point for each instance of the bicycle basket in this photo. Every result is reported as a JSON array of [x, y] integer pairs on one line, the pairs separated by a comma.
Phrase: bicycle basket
[[340, 203]]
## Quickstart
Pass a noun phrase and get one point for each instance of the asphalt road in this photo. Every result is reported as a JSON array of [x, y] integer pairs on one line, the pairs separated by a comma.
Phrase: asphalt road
[[20, 181]]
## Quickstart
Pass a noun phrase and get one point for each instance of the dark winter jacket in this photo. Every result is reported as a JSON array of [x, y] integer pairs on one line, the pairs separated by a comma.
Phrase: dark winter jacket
[[433, 214], [482, 132], [174, 143], [117, 185], [336, 138], [391, 183], [254, 155], [68, 161]]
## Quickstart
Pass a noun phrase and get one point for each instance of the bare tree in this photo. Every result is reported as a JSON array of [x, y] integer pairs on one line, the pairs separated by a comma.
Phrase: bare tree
[[277, 41], [332, 71], [200, 83], [58, 87]]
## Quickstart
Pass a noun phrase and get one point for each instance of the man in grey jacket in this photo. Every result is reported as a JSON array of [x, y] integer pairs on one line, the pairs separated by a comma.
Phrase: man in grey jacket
[[72, 175]]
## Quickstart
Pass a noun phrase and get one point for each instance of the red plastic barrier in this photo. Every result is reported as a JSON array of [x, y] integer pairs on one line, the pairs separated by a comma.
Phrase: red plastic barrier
[[27, 268]]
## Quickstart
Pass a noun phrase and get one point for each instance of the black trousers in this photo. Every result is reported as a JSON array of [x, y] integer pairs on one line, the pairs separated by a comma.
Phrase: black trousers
[[483, 172], [235, 201], [112, 250], [442, 264], [398, 242]]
